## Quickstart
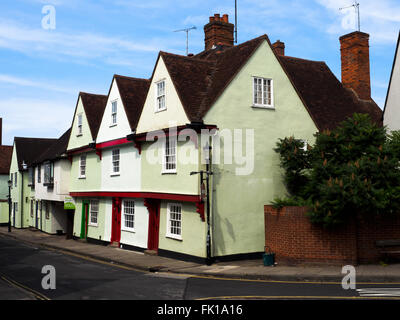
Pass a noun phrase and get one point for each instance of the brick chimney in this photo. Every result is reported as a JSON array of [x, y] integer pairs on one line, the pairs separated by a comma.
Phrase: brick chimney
[[279, 48], [219, 31], [354, 48], [1, 131]]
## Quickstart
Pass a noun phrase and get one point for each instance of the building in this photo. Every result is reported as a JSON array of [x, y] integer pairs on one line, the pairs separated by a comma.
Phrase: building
[[391, 113], [25, 151], [49, 182], [5, 162], [85, 175], [153, 133]]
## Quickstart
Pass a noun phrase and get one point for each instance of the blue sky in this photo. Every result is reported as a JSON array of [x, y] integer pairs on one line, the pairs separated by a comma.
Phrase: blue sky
[[42, 71]]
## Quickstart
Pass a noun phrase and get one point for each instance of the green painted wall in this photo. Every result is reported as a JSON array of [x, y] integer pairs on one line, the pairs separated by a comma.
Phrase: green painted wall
[[94, 232], [238, 218], [92, 182], [153, 180], [194, 232], [76, 140], [3, 212]]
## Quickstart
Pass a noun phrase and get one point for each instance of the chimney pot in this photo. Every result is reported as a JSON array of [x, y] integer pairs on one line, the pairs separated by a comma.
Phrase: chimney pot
[[279, 48], [225, 18], [354, 48], [217, 17]]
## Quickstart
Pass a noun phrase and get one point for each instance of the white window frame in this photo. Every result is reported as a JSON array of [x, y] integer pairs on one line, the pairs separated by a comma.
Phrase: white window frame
[[114, 114], [113, 161], [125, 212], [82, 176], [169, 234], [158, 96], [165, 163], [96, 205], [263, 105], [80, 121]]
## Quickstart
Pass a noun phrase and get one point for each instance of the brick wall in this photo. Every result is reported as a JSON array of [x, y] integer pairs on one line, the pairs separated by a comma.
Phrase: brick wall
[[292, 237]]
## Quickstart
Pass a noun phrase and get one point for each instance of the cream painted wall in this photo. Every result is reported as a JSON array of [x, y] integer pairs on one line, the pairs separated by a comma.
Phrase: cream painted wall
[[76, 140], [391, 117], [139, 236], [151, 120], [61, 182], [129, 178], [108, 131]]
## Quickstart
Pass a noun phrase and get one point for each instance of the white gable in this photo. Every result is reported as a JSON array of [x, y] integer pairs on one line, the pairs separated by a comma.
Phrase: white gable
[[109, 131], [392, 109], [150, 120], [76, 139]]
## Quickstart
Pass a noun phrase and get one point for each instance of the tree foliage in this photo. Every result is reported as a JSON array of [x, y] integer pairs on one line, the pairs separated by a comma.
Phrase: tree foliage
[[352, 169]]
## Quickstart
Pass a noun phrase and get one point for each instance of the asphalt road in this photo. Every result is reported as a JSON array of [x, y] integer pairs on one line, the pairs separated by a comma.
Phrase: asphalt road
[[85, 279]]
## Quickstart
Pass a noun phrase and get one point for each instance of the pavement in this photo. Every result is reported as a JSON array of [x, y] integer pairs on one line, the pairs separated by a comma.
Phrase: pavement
[[244, 269]]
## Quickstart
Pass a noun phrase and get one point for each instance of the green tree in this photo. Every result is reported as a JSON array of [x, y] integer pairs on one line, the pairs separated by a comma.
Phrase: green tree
[[352, 169]]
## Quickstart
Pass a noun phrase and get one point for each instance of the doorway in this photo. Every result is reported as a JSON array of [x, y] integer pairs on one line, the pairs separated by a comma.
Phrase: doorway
[[116, 221], [84, 220], [153, 206]]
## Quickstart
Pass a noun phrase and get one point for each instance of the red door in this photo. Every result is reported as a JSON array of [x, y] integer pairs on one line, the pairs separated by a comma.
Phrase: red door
[[154, 223], [116, 220]]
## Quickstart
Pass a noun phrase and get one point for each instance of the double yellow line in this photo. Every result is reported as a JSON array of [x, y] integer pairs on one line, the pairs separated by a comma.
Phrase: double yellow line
[[37, 295]]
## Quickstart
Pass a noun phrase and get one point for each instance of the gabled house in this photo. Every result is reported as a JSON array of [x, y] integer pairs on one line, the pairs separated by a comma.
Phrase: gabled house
[[25, 151], [112, 207], [50, 173], [249, 96], [85, 174], [391, 113], [5, 162]]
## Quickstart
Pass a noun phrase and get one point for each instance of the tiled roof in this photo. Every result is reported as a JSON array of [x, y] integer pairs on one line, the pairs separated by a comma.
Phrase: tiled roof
[[133, 92], [201, 79], [325, 97], [5, 159], [56, 149], [94, 105], [28, 149]]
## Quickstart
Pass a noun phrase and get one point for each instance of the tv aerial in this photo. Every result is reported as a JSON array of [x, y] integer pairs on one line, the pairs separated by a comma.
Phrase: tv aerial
[[356, 6], [187, 30]]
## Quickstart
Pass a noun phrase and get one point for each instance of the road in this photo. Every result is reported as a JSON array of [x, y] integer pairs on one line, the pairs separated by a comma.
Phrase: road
[[80, 278]]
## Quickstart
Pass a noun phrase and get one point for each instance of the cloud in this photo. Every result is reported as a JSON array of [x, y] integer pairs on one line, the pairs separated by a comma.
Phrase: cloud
[[8, 79], [378, 18], [35, 117], [75, 46]]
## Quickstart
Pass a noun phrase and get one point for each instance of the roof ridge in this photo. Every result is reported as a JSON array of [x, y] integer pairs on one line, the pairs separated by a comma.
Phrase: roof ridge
[[296, 58], [92, 94], [184, 57], [130, 78]]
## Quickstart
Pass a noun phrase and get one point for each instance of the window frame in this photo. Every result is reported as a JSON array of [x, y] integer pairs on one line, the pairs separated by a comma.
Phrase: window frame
[[91, 211], [157, 96], [80, 122], [39, 173], [16, 179], [166, 170], [114, 114], [169, 234], [80, 176], [262, 105], [115, 173], [124, 214]]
